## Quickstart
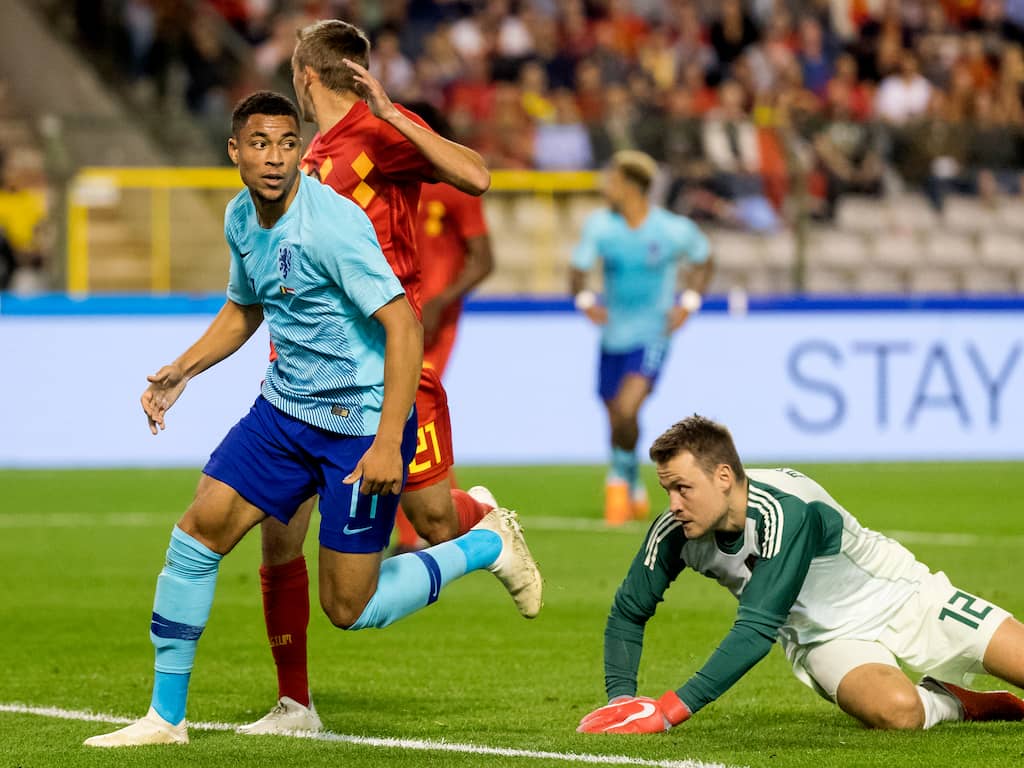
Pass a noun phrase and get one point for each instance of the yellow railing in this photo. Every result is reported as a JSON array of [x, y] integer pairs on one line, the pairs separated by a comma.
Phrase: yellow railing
[[96, 188]]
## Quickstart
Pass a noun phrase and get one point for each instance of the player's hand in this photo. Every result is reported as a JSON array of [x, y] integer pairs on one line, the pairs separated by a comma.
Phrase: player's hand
[[431, 320], [376, 97], [598, 314], [677, 316], [380, 469], [164, 388], [636, 714]]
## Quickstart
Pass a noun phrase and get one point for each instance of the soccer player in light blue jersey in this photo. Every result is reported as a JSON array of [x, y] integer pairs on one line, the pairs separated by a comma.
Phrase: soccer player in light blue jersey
[[335, 418], [642, 249]]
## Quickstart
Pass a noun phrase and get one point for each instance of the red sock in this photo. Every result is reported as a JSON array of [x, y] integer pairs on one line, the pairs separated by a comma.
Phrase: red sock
[[407, 537], [286, 610], [469, 510]]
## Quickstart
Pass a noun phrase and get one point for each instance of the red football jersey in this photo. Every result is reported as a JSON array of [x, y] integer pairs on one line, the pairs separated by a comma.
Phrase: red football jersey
[[375, 166], [447, 218]]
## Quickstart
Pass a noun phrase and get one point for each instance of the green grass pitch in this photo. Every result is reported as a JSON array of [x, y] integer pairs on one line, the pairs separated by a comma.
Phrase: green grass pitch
[[81, 550]]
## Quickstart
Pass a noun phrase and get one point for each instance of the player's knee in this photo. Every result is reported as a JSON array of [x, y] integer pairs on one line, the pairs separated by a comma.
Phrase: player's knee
[[623, 414], [435, 520], [896, 710], [342, 613]]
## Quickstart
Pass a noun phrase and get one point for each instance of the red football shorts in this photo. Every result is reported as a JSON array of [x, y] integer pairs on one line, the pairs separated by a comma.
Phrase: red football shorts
[[434, 456]]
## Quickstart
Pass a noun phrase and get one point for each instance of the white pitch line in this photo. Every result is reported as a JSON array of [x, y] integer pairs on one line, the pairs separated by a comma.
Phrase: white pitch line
[[539, 523], [420, 745]]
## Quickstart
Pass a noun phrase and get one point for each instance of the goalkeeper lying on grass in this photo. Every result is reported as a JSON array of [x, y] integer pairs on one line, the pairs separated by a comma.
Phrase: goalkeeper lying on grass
[[846, 603]]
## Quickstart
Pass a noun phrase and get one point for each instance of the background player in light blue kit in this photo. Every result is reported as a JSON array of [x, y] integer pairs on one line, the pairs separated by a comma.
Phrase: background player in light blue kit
[[335, 417], [642, 249]]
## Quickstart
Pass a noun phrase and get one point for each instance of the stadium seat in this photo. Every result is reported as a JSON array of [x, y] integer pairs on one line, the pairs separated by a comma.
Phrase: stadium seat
[[859, 214], [1010, 215], [910, 212], [833, 248], [934, 280], [982, 280], [948, 249], [968, 214], [1002, 250], [879, 280], [898, 250], [826, 280], [735, 249], [779, 250]]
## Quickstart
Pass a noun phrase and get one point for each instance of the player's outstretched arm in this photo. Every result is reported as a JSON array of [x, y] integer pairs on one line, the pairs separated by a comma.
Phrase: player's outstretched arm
[[453, 163], [585, 299], [381, 467], [230, 329]]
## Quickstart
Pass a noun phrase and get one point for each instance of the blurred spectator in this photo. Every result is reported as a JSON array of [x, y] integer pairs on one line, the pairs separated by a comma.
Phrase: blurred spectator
[[995, 150], [994, 28], [931, 152], [691, 44], [562, 143], [210, 69], [389, 65], [815, 59], [903, 95], [23, 236], [616, 130], [731, 33], [857, 92], [848, 152], [589, 91], [533, 85], [732, 147]]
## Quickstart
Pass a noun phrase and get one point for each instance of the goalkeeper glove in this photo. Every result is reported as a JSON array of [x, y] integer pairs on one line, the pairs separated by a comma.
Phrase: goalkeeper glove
[[636, 714]]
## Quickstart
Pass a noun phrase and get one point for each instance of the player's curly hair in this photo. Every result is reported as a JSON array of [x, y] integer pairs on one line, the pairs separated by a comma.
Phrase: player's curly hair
[[710, 443], [261, 103], [323, 46]]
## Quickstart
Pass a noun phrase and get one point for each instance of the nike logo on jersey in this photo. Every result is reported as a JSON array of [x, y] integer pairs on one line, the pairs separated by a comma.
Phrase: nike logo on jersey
[[352, 531], [243, 255], [646, 710]]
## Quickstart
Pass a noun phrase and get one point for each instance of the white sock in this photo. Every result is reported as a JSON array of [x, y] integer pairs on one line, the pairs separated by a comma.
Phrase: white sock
[[939, 706]]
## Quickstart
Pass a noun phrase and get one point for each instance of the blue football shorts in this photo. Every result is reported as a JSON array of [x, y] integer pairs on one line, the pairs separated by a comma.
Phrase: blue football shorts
[[276, 462], [613, 367]]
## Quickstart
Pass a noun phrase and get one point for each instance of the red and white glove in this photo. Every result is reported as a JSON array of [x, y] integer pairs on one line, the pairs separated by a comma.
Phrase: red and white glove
[[636, 714]]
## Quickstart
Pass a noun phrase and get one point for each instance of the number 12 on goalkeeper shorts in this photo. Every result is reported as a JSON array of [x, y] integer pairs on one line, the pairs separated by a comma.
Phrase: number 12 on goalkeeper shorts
[[426, 443], [967, 613]]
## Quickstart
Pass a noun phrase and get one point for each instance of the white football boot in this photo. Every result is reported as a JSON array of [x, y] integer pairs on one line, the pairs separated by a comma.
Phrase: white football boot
[[152, 729], [515, 567], [287, 716]]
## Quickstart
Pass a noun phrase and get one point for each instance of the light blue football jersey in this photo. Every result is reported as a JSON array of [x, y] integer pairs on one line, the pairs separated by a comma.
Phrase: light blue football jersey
[[320, 275], [640, 269]]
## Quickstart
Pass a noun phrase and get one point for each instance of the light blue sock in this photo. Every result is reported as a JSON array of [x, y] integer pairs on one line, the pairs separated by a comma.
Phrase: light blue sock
[[413, 581], [625, 465], [184, 594]]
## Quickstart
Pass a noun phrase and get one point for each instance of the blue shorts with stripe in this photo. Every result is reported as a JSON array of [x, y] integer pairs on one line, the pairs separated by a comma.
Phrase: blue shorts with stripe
[[276, 462], [645, 361]]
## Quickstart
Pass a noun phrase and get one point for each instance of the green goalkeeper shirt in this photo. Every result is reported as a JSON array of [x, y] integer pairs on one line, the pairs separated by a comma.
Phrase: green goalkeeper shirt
[[803, 569]]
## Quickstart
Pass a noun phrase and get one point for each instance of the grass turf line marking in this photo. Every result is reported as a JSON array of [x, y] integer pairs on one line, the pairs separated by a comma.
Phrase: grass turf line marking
[[539, 523], [421, 745]]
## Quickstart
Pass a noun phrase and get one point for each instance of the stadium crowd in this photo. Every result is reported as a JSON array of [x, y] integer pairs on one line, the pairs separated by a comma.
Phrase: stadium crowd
[[740, 101]]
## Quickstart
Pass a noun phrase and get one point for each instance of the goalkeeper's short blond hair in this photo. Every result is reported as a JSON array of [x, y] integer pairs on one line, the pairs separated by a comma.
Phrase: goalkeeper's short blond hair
[[638, 167]]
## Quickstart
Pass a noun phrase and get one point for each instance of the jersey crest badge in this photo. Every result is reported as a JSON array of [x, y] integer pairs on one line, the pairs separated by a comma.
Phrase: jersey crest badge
[[284, 261]]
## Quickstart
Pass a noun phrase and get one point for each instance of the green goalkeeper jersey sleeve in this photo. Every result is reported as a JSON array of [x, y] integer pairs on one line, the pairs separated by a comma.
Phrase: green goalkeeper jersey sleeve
[[654, 568]]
